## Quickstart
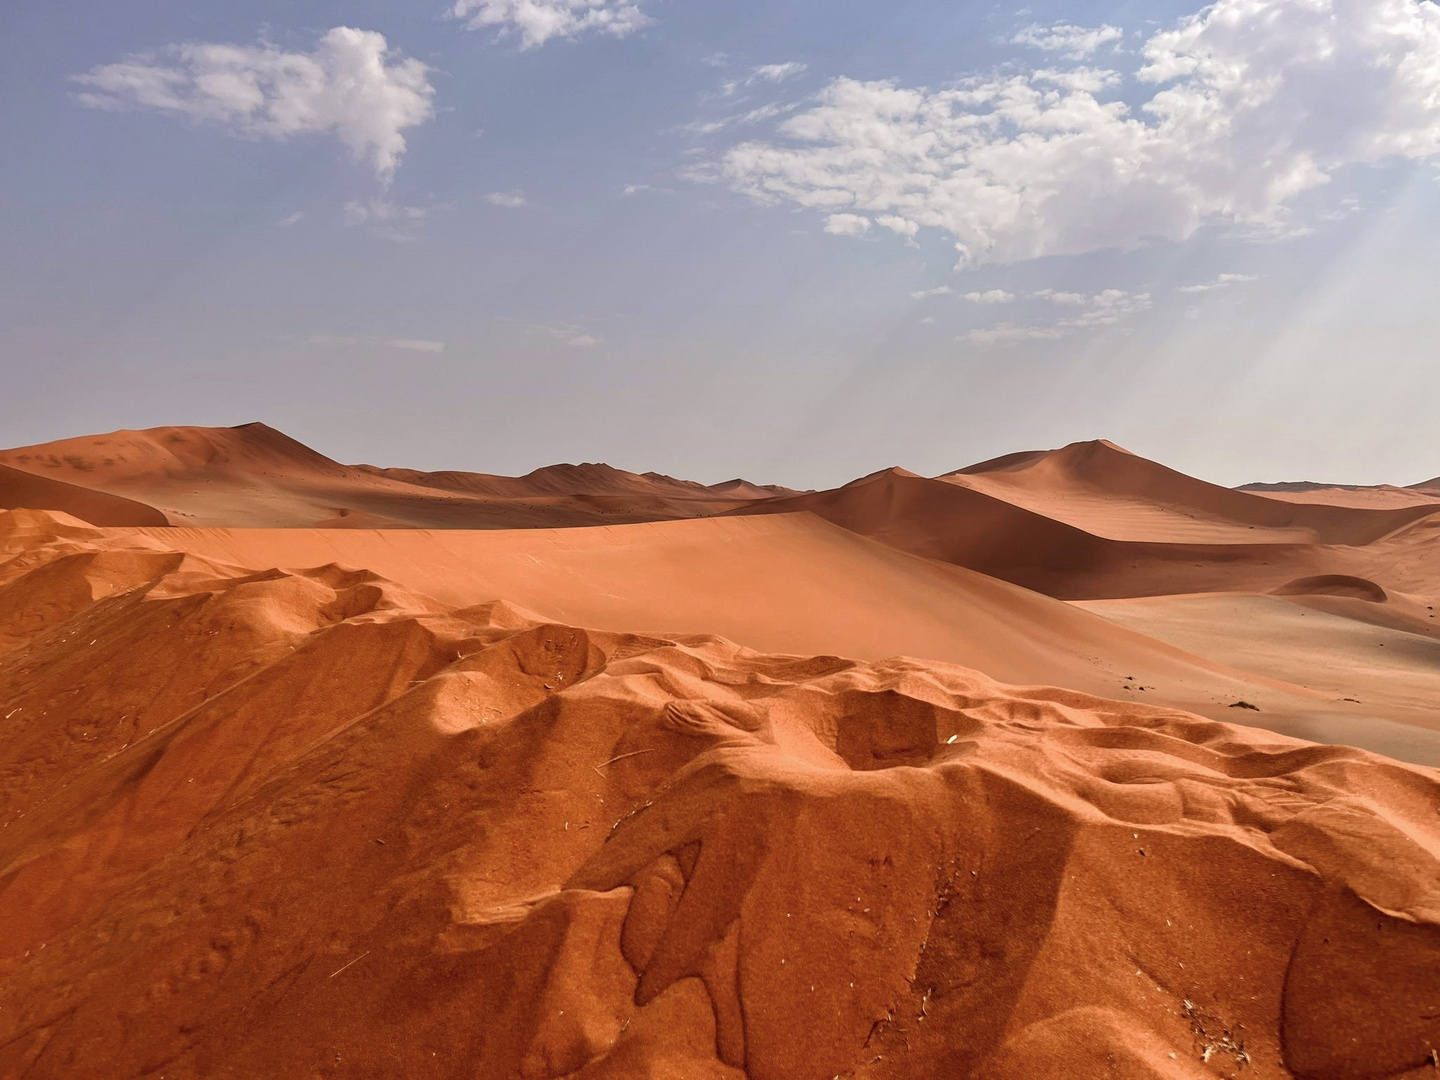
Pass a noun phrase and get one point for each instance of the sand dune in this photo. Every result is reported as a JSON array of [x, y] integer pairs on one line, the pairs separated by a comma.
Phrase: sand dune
[[797, 584], [1380, 496], [21, 489], [1092, 521], [255, 476], [816, 785], [308, 823]]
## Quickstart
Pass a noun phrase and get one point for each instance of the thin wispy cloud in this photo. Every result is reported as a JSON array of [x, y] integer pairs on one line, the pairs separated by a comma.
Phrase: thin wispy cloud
[[926, 294], [370, 341], [1072, 42], [1108, 308], [765, 73], [539, 21], [511, 200], [393, 221], [1223, 281], [1241, 118], [352, 86], [1061, 297], [420, 345]]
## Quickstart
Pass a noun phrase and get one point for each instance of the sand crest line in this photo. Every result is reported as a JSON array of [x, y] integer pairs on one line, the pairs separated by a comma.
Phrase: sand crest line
[[622, 757], [355, 961]]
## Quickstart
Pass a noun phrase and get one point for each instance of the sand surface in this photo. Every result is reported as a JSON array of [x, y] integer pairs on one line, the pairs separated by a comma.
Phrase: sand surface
[[919, 777], [265, 823]]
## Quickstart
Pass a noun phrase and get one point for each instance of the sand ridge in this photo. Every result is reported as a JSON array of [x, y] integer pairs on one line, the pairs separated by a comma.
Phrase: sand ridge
[[253, 475], [315, 822]]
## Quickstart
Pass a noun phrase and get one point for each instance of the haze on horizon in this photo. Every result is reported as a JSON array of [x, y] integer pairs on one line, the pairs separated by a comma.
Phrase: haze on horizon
[[784, 241]]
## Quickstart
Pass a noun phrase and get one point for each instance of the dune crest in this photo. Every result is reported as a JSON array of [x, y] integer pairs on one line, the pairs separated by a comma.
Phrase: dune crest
[[314, 822], [255, 476]]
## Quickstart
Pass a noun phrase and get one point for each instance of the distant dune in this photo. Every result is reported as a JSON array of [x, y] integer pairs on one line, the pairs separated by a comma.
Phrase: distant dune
[[255, 476], [1092, 521], [1061, 765]]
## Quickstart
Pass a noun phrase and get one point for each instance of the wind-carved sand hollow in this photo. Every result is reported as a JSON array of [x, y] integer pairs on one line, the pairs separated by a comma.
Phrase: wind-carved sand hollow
[[310, 823]]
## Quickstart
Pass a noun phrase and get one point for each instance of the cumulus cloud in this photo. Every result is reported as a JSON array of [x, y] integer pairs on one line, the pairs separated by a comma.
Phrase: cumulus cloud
[[1107, 308], [352, 86], [537, 21], [1223, 281], [511, 200], [926, 294], [1073, 42], [991, 296], [847, 225], [1244, 106]]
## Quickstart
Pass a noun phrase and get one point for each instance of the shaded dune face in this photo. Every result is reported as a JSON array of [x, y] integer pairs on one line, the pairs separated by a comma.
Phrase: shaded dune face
[[308, 823]]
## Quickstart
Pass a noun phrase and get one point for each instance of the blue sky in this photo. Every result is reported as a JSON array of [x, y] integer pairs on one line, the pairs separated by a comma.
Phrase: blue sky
[[793, 241]]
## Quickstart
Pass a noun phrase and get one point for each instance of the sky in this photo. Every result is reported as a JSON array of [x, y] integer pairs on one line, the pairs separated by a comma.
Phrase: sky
[[794, 241]]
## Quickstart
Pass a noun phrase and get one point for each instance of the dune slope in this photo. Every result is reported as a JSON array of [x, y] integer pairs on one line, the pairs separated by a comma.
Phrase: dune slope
[[21, 489], [255, 476], [1092, 521], [314, 823]]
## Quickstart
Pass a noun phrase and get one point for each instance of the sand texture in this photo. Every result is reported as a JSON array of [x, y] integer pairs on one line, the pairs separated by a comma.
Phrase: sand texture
[[1062, 765], [317, 823]]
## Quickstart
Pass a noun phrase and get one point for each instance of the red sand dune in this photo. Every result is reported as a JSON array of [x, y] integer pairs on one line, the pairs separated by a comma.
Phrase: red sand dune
[[315, 823], [1092, 521], [21, 489], [392, 792], [253, 475]]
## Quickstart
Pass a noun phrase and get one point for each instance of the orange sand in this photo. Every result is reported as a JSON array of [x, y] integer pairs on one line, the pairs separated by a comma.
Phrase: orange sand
[[378, 802]]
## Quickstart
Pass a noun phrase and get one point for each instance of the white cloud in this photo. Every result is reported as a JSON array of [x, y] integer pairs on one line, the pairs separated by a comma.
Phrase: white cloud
[[765, 73], [511, 200], [777, 73], [847, 225], [1107, 308], [390, 220], [1088, 80], [573, 336], [352, 85], [991, 296], [292, 219], [925, 294], [1251, 103], [1223, 281], [1009, 334], [764, 112], [903, 226], [1057, 297], [537, 21], [1074, 42], [420, 345]]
